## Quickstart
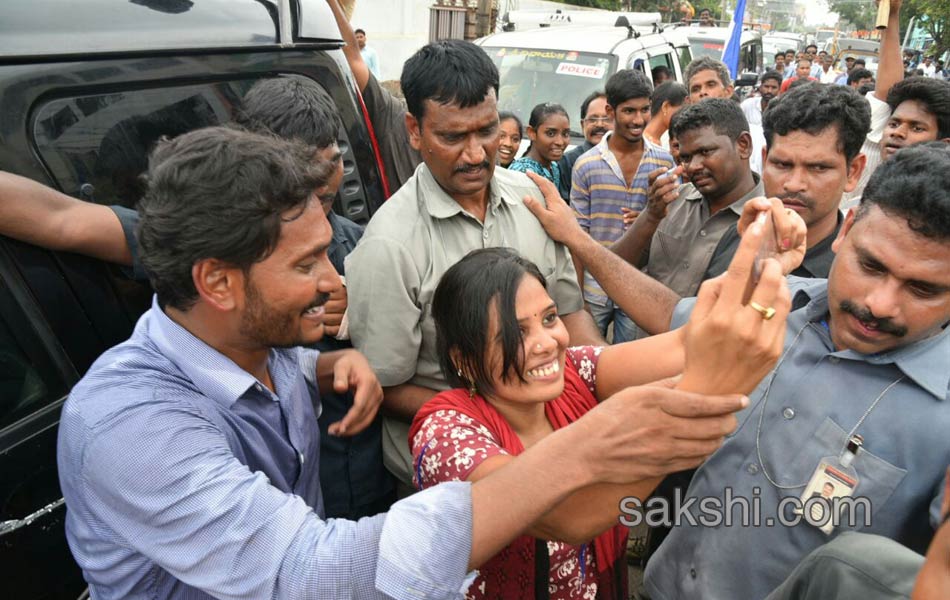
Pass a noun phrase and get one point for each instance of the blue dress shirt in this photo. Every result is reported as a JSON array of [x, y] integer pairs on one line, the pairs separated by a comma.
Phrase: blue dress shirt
[[819, 395], [186, 478]]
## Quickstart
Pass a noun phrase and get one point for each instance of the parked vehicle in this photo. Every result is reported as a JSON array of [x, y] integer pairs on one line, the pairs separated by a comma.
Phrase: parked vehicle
[[780, 41], [564, 64], [87, 88], [711, 41]]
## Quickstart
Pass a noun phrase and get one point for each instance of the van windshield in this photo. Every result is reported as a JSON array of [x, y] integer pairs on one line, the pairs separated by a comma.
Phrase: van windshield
[[529, 77]]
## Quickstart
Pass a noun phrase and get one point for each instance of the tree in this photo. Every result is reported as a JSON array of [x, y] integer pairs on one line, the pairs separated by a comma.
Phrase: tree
[[861, 15], [934, 17]]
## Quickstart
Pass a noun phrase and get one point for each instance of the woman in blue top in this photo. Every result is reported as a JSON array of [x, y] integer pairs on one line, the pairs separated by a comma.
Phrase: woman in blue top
[[549, 130]]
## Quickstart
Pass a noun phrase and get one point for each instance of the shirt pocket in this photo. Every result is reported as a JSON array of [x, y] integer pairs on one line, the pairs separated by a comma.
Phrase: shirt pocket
[[877, 478], [669, 255]]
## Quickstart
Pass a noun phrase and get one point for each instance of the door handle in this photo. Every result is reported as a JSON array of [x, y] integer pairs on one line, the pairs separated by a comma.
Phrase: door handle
[[14, 524]]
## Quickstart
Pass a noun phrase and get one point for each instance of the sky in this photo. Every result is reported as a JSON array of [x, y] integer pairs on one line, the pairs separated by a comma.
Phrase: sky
[[817, 13]]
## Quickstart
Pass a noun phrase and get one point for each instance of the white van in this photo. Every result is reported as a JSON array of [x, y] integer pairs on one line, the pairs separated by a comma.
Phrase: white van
[[566, 62]]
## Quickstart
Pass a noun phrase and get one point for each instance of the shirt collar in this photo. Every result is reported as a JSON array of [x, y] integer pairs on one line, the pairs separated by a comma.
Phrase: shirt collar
[[440, 205], [819, 257], [694, 195], [215, 375], [923, 361]]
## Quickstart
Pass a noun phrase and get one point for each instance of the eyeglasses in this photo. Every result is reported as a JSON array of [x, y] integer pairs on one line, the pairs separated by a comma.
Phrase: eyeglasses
[[597, 120]]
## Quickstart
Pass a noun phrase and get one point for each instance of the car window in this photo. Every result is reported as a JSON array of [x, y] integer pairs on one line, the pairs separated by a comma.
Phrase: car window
[[97, 145], [28, 379]]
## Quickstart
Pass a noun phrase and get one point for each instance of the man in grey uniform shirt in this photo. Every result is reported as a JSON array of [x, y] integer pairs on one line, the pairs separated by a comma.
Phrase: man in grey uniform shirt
[[457, 201]]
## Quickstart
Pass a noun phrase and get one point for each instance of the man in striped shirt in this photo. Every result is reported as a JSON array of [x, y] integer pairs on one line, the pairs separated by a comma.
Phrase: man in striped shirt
[[610, 179]]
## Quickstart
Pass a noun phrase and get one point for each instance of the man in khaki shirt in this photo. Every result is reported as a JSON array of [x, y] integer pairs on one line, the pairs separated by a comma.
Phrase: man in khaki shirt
[[455, 203], [675, 237]]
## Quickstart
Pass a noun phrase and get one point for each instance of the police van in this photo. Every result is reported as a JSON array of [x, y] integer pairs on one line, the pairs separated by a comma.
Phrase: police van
[[563, 56]]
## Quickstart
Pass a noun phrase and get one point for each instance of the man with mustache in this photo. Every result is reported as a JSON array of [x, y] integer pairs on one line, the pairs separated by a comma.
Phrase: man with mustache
[[674, 237], [769, 85], [595, 123], [611, 180], [814, 135], [455, 202], [865, 353]]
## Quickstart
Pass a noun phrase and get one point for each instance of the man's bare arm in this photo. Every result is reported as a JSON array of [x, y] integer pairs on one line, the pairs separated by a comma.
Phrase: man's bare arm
[[404, 401], [42, 216], [891, 69], [351, 50], [582, 329], [645, 300]]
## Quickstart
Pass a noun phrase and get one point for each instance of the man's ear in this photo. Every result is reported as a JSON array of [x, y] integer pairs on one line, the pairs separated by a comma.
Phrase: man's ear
[[845, 228], [219, 285], [414, 127], [855, 168], [744, 145]]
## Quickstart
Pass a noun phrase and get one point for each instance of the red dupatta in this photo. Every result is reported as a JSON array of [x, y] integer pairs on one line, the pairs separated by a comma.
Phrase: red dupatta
[[574, 402]]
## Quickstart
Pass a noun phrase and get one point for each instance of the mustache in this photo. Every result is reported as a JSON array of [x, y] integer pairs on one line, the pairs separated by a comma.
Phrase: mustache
[[867, 317], [598, 131], [471, 167], [799, 197], [321, 299]]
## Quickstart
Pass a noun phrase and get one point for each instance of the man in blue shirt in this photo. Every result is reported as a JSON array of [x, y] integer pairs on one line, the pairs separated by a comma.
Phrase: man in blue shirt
[[865, 353]]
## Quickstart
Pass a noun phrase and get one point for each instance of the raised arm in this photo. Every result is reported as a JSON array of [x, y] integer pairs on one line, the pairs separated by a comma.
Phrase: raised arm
[[351, 50], [42, 216], [891, 68]]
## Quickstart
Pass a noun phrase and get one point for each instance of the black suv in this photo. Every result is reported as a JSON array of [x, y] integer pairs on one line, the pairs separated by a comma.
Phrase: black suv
[[86, 88]]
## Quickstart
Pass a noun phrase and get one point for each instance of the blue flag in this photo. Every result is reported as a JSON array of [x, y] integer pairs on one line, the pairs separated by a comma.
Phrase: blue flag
[[730, 54]]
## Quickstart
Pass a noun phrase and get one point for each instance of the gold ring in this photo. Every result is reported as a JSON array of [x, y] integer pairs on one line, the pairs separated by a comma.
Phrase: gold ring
[[766, 312]]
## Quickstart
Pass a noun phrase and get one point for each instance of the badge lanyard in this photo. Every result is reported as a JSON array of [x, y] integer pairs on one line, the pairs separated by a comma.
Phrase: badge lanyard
[[765, 400]]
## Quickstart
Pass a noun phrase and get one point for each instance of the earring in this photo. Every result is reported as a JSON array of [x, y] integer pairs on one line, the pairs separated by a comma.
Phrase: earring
[[471, 390], [538, 346]]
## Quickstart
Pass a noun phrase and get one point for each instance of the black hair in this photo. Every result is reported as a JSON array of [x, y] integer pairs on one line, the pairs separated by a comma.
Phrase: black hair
[[782, 54], [798, 83], [510, 116], [860, 61], [461, 307], [811, 46], [813, 108], [355, 31], [590, 98], [670, 91], [934, 94], [660, 70], [723, 115], [627, 84], [447, 72], [707, 63], [858, 74], [914, 185], [219, 192], [542, 111], [293, 108], [771, 74], [792, 50]]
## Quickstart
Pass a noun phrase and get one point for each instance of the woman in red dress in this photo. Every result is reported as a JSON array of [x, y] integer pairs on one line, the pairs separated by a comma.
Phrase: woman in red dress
[[505, 350]]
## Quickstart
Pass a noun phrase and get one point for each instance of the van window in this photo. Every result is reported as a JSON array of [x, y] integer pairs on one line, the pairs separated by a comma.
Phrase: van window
[[28, 379], [529, 77], [662, 60], [686, 57]]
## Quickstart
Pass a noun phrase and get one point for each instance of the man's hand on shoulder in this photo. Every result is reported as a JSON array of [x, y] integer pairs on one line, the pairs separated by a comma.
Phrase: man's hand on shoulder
[[351, 371], [555, 215]]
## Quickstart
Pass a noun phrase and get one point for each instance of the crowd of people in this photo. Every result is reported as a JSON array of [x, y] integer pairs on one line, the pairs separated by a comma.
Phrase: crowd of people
[[428, 407]]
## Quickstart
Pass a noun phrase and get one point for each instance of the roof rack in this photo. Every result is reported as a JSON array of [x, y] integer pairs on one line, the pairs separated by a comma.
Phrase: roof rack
[[530, 19]]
